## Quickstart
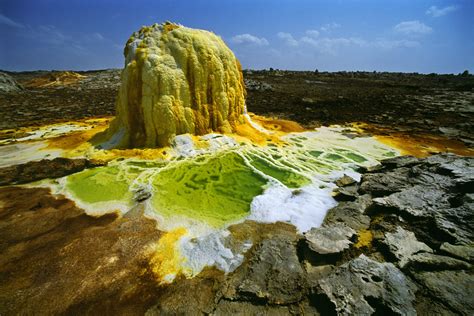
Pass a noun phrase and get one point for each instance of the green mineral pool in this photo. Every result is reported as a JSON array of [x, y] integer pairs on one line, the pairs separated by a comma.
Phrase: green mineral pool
[[101, 184], [285, 176], [218, 187], [217, 190]]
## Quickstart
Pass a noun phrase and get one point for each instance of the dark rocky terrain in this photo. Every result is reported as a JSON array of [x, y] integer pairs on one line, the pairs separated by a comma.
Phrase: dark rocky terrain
[[415, 103], [399, 242], [91, 97]]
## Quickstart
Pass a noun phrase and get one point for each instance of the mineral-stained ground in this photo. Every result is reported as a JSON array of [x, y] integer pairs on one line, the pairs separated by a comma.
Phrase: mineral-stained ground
[[400, 241], [414, 103]]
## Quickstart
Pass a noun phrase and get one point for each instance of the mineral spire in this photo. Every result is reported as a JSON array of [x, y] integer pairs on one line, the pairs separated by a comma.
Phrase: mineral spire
[[176, 80]]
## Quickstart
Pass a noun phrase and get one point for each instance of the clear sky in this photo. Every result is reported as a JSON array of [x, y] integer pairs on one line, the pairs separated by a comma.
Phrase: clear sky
[[385, 35]]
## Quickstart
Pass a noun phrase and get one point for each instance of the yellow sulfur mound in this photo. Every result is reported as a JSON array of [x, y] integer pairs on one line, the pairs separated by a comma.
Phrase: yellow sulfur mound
[[176, 80], [54, 79]]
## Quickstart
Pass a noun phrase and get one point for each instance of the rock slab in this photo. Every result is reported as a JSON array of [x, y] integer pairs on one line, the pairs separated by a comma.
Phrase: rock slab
[[364, 286]]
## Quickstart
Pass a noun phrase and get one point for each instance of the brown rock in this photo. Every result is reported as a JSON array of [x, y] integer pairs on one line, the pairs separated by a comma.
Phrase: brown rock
[[56, 259], [38, 170]]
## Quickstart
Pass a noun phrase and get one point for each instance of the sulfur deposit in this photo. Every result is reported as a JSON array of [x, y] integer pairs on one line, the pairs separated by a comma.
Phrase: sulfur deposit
[[176, 80], [55, 79]]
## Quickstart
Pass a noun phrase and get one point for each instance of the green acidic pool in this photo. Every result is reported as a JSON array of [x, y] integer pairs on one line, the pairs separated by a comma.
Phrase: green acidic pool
[[288, 178], [216, 190], [101, 185], [217, 187]]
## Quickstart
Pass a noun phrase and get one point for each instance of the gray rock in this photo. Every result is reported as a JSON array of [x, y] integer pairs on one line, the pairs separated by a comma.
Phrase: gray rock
[[450, 132], [417, 201], [195, 296], [8, 84], [430, 261], [459, 251], [399, 162], [449, 161], [315, 273], [272, 274], [461, 168], [254, 85], [346, 193], [141, 195], [309, 101], [468, 198], [329, 239], [433, 197], [403, 244], [243, 308], [453, 288], [345, 181], [364, 286], [435, 189], [430, 177], [350, 213], [385, 183], [456, 223]]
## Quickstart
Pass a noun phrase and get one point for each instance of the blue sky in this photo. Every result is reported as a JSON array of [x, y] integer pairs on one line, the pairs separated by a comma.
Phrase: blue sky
[[390, 35]]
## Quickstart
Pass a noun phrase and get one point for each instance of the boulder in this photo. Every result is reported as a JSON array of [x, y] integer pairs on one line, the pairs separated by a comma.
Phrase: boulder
[[345, 181], [8, 84], [363, 286], [351, 213], [459, 251], [431, 261], [254, 85], [453, 288], [436, 191], [272, 274], [403, 244], [330, 239], [384, 183]]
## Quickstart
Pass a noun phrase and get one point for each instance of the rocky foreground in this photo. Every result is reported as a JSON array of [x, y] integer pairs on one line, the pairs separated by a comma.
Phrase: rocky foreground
[[399, 242]]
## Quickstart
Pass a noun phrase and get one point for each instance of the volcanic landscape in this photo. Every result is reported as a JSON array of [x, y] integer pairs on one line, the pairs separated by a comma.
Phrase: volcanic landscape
[[328, 193]]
